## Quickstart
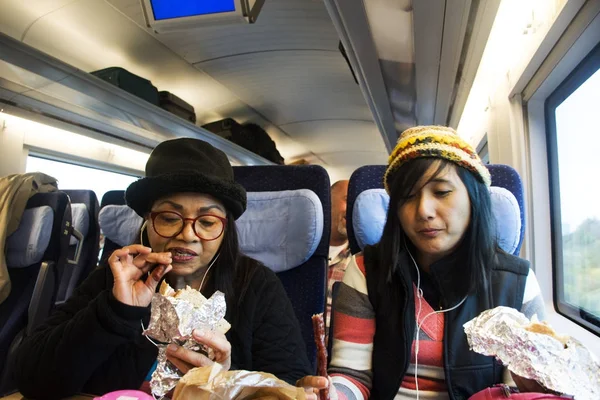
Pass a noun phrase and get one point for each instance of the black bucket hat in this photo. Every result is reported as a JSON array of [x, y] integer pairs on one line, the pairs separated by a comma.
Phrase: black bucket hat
[[186, 165]]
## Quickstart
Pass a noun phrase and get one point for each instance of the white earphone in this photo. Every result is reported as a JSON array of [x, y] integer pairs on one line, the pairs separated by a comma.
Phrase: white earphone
[[418, 315]]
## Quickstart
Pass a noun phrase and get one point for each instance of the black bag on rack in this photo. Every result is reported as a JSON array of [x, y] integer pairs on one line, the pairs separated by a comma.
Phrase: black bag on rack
[[129, 82], [222, 127], [176, 106], [249, 136]]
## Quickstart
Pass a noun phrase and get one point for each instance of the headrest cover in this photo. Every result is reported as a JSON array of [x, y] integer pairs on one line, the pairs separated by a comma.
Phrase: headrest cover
[[281, 229], [371, 206], [508, 218], [369, 215], [120, 224], [80, 218], [27, 245]]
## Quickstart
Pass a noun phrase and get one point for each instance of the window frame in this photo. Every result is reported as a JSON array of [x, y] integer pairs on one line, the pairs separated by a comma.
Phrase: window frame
[[581, 73]]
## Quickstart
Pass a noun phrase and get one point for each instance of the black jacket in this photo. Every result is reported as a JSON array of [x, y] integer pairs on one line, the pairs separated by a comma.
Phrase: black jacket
[[94, 344], [466, 372]]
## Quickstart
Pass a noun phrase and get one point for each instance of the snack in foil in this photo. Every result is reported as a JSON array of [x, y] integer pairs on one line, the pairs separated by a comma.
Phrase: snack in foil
[[533, 350], [212, 383], [174, 315]]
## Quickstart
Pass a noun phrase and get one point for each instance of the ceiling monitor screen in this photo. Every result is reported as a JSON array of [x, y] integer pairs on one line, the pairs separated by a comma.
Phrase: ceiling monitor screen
[[177, 15], [168, 9]]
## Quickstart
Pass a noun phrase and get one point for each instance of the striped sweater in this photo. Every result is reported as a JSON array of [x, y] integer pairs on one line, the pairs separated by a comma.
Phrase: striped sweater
[[354, 328]]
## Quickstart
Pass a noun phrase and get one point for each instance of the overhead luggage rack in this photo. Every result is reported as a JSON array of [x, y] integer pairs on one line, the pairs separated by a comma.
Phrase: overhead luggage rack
[[37, 82]]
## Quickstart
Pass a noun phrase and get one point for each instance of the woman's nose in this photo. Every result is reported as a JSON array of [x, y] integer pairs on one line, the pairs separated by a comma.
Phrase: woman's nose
[[187, 233], [426, 208]]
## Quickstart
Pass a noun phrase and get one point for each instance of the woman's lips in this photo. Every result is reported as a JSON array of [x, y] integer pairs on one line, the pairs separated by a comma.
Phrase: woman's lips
[[430, 233], [181, 255]]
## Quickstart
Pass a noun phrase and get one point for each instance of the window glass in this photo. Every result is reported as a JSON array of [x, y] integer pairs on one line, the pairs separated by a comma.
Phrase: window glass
[[72, 176], [574, 143]]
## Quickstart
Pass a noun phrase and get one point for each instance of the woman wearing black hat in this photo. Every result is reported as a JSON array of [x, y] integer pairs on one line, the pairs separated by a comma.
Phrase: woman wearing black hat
[[189, 201]]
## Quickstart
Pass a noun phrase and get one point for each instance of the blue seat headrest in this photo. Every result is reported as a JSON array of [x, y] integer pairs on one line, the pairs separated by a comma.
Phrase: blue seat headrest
[[508, 218], [371, 207], [27, 245], [369, 216], [281, 229], [80, 218], [120, 224]]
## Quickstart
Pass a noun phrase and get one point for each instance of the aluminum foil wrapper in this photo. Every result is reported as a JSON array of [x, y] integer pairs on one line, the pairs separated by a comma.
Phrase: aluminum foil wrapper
[[568, 369], [173, 320], [211, 383]]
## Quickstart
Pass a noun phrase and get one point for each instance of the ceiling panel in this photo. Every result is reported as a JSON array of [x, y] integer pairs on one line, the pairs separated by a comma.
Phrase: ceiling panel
[[305, 86], [337, 136], [281, 25]]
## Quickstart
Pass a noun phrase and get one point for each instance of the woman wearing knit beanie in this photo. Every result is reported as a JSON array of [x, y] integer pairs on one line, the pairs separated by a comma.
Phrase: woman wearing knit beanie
[[403, 302]]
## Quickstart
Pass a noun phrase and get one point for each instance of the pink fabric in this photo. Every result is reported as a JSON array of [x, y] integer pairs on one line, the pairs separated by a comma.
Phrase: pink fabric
[[128, 394], [502, 392]]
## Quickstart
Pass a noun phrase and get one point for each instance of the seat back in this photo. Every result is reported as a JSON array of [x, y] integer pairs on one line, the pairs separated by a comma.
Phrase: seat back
[[507, 177], [109, 217], [34, 253], [368, 202], [305, 283], [84, 252], [285, 226], [363, 179]]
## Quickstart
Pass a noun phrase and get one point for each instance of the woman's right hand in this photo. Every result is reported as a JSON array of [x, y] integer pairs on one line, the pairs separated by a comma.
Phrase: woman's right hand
[[314, 384], [129, 265]]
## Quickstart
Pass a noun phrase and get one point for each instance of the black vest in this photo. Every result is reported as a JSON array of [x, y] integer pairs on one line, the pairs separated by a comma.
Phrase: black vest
[[466, 372]]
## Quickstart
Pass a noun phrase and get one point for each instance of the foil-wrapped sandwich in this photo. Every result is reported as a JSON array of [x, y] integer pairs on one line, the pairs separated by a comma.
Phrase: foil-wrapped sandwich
[[174, 315], [212, 383], [533, 350]]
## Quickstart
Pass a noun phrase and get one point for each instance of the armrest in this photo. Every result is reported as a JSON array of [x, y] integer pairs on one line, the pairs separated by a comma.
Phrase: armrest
[[42, 298]]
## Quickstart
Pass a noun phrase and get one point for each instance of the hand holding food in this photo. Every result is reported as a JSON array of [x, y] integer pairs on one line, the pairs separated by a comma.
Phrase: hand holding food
[[195, 326], [534, 351], [129, 265], [219, 351]]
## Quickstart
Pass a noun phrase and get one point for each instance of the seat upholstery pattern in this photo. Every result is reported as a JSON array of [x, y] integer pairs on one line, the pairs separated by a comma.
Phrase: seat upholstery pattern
[[305, 284], [14, 311]]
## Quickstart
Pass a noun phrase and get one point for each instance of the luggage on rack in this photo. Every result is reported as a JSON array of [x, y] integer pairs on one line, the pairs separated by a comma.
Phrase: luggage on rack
[[249, 136], [129, 82], [222, 128], [175, 105]]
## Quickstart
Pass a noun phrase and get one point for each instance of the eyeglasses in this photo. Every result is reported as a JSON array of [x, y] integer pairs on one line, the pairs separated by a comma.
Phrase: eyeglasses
[[169, 224]]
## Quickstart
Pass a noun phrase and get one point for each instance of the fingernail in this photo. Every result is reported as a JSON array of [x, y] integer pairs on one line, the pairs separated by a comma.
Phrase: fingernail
[[172, 348], [198, 333]]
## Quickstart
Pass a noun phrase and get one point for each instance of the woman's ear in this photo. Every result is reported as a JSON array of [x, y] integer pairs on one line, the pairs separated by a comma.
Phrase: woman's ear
[[144, 234]]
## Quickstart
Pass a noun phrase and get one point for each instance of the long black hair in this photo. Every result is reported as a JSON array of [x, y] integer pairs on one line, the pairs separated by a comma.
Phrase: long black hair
[[232, 271], [479, 244]]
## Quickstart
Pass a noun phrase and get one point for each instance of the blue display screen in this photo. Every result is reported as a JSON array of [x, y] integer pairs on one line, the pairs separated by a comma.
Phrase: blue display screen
[[167, 9]]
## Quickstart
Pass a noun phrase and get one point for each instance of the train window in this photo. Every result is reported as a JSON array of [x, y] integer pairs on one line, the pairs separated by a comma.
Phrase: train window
[[71, 176], [573, 143], [483, 150]]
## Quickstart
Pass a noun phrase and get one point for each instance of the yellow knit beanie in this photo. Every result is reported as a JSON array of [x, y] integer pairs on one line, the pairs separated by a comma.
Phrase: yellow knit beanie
[[435, 142]]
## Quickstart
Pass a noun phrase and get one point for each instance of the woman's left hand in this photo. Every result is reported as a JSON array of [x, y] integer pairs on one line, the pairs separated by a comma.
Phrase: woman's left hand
[[312, 385], [185, 359]]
